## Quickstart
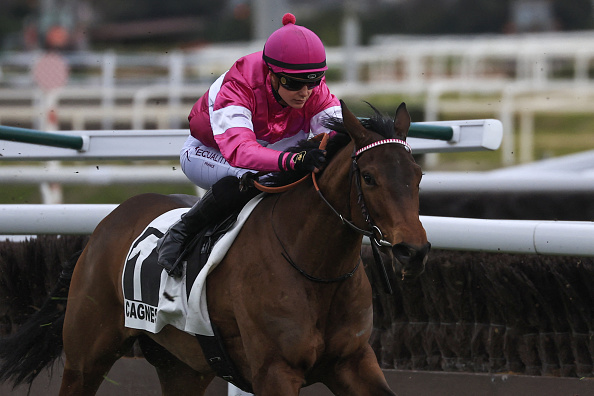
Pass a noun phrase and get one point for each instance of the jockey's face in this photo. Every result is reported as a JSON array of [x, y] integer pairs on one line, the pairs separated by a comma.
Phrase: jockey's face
[[294, 99]]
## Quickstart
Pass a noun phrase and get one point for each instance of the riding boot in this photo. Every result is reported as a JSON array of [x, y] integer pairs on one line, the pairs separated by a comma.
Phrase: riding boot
[[224, 197], [172, 244]]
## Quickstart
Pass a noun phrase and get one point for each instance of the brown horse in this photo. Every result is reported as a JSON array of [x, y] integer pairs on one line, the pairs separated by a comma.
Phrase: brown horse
[[283, 328]]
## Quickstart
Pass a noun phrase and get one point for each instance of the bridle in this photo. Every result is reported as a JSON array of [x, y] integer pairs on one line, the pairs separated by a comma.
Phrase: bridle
[[374, 233]]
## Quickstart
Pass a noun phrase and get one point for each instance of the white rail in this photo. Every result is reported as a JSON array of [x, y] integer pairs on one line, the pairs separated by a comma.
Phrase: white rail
[[510, 236], [493, 181], [469, 135], [51, 219]]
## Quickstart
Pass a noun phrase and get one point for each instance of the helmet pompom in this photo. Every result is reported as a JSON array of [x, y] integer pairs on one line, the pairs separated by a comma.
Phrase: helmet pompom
[[289, 18]]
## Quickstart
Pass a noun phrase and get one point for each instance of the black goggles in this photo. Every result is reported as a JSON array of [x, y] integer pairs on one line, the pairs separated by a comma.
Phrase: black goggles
[[294, 84]]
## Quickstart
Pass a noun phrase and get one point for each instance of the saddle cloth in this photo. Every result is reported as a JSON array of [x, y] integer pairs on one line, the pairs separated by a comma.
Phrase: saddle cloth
[[152, 298]]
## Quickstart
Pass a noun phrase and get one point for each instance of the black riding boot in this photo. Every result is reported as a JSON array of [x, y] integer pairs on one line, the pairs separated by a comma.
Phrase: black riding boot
[[172, 244], [224, 197]]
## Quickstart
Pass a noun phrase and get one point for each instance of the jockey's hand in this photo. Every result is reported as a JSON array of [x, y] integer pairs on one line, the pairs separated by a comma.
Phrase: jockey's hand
[[309, 160], [247, 181]]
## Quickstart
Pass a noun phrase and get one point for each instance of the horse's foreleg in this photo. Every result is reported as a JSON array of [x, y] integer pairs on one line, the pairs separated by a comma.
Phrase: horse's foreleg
[[277, 379], [359, 375], [176, 377], [75, 382], [179, 380]]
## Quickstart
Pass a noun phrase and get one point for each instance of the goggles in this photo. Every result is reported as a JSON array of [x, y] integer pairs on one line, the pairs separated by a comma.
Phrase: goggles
[[311, 81]]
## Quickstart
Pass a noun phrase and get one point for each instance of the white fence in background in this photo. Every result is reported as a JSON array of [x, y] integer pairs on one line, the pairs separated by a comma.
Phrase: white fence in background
[[134, 145], [466, 135], [432, 182], [499, 236], [503, 75], [571, 173], [413, 60]]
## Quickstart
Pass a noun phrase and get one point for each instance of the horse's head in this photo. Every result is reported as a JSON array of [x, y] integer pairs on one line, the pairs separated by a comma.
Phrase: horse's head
[[389, 186]]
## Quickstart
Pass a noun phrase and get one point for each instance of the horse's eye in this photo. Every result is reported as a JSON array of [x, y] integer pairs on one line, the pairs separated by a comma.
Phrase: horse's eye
[[369, 180]]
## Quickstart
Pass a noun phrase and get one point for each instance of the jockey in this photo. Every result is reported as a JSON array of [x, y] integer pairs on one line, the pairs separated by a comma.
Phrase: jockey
[[266, 103]]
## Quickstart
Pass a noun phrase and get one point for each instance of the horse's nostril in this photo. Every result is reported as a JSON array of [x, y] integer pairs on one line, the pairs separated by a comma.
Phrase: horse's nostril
[[405, 252], [402, 252]]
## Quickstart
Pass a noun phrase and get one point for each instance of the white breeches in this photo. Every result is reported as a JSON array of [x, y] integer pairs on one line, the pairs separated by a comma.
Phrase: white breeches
[[204, 165]]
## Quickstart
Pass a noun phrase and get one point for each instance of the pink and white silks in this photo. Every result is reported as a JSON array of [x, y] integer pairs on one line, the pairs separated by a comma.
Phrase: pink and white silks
[[238, 126]]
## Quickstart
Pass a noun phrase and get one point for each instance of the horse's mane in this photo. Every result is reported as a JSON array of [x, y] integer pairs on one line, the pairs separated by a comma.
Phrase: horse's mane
[[378, 123]]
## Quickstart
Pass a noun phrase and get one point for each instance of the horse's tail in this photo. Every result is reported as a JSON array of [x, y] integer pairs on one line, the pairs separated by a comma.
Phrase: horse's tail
[[38, 342]]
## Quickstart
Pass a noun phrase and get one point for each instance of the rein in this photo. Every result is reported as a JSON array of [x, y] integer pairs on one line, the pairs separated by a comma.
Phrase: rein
[[323, 141], [286, 256]]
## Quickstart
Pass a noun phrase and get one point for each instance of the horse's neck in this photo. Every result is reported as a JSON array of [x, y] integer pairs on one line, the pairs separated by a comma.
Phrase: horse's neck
[[337, 184], [316, 227]]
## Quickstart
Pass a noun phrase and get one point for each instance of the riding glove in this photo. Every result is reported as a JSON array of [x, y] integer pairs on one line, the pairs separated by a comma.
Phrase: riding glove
[[309, 160]]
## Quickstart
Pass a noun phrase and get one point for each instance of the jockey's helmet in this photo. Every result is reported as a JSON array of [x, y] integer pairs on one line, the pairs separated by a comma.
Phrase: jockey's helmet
[[294, 49]]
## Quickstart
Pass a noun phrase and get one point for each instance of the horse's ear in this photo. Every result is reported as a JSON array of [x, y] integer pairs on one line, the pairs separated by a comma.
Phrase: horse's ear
[[401, 121], [352, 124]]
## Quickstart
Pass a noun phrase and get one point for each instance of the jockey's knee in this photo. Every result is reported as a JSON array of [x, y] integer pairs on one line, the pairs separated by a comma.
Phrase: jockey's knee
[[226, 192]]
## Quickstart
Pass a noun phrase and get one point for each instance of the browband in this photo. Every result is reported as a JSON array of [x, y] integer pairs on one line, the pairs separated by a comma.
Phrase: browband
[[380, 142]]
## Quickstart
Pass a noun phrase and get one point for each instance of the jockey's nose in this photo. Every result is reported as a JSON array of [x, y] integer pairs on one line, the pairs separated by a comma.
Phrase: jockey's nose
[[304, 91]]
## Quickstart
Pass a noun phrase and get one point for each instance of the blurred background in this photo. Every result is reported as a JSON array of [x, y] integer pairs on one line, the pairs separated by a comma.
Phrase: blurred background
[[115, 65]]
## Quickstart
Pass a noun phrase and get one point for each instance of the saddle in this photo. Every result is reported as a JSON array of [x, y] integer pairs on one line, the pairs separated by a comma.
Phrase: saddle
[[200, 246]]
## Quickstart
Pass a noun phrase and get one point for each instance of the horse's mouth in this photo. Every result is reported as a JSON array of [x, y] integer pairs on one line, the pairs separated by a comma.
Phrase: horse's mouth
[[411, 259], [411, 272]]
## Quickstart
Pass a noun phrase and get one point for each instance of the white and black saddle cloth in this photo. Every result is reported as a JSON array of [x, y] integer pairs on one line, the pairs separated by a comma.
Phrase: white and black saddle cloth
[[152, 298]]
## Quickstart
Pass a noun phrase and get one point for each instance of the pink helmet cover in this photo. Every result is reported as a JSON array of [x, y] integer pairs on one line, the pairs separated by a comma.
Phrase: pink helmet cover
[[294, 49]]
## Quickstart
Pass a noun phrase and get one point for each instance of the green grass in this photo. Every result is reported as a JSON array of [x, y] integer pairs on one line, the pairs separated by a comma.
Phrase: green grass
[[19, 194]]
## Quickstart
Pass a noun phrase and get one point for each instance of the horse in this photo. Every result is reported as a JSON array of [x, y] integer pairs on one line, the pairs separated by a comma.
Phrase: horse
[[283, 326]]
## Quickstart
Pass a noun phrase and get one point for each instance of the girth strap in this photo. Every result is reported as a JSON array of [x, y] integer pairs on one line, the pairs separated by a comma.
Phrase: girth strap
[[217, 357]]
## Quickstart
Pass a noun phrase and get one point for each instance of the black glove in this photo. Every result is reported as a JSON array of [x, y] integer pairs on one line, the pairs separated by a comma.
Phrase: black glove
[[247, 181], [310, 160]]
